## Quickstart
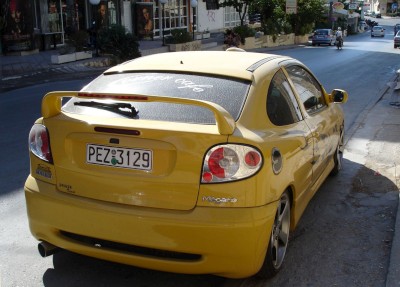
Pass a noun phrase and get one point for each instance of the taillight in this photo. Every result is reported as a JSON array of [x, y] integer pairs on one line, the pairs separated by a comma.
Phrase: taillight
[[39, 143], [230, 162]]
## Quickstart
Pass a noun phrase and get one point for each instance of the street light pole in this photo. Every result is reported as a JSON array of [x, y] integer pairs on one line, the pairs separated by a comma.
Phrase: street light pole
[[163, 2], [193, 3]]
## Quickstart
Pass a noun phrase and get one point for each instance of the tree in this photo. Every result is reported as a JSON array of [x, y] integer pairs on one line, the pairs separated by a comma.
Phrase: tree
[[273, 14], [308, 13], [240, 6], [275, 20]]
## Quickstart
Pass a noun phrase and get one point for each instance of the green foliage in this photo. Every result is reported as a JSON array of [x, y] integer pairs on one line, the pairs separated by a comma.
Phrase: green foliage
[[116, 41], [179, 36], [78, 40], [276, 21], [243, 32], [308, 13]]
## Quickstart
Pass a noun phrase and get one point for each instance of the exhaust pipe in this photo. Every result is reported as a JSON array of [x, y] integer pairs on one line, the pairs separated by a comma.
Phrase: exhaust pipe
[[47, 249]]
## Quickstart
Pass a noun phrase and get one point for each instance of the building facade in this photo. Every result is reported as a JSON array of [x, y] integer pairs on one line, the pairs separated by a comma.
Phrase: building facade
[[44, 24]]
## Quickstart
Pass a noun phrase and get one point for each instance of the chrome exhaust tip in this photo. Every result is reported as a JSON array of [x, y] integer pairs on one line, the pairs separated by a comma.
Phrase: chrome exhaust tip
[[47, 249]]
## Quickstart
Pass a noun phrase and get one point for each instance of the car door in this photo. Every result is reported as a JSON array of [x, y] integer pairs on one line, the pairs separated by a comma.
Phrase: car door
[[311, 95], [284, 111]]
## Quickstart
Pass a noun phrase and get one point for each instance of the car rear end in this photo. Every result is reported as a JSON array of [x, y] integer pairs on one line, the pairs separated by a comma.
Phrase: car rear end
[[396, 40], [396, 28], [128, 171], [322, 36], [377, 31]]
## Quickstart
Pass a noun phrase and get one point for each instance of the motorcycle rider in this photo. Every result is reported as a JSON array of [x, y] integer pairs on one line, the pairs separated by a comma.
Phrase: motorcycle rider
[[339, 36]]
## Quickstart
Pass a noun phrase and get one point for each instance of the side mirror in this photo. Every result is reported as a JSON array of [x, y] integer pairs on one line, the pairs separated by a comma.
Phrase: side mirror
[[338, 96]]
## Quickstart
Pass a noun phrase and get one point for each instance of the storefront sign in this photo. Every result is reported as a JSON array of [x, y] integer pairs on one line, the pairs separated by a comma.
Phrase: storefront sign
[[291, 6], [338, 6], [353, 6]]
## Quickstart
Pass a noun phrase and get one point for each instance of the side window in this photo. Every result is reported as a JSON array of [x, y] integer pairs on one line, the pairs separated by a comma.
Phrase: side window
[[282, 107], [308, 88]]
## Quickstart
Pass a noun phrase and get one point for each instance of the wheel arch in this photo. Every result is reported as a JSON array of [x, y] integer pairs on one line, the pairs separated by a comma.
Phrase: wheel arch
[[291, 190]]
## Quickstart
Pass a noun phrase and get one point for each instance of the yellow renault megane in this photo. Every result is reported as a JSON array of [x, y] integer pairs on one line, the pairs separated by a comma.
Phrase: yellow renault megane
[[188, 162]]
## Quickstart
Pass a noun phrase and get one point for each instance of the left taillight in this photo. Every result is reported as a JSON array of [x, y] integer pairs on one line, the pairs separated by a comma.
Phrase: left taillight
[[39, 143], [230, 162]]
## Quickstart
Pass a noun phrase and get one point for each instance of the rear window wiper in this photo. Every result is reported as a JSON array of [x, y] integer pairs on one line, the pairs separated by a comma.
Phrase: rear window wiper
[[124, 109]]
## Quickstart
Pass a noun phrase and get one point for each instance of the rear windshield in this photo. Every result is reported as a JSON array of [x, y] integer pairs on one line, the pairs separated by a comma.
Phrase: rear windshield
[[229, 93], [321, 32]]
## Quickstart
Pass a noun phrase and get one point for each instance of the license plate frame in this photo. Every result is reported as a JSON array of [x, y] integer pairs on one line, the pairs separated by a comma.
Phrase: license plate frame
[[120, 157]]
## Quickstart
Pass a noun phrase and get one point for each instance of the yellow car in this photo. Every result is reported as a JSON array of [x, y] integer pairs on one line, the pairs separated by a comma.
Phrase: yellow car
[[187, 162]]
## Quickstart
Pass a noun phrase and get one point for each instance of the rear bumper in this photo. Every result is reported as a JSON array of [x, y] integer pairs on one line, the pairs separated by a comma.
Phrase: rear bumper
[[324, 41], [230, 242]]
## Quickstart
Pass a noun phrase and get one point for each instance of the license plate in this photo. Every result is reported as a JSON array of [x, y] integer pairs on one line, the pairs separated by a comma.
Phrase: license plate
[[132, 158]]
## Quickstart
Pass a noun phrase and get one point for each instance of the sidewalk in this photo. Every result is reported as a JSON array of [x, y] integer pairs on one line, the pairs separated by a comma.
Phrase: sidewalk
[[379, 117], [374, 142], [12, 66], [14, 70]]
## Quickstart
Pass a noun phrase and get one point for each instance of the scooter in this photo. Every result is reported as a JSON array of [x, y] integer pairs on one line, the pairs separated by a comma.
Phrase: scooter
[[339, 43]]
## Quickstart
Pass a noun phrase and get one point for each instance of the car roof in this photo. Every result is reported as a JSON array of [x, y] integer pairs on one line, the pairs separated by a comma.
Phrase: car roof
[[224, 63]]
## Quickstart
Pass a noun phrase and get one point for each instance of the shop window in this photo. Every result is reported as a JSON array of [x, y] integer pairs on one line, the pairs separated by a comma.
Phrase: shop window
[[231, 17], [106, 14], [174, 15], [54, 17]]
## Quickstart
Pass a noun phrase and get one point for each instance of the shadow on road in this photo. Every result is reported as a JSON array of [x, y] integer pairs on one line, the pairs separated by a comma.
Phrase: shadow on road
[[72, 269]]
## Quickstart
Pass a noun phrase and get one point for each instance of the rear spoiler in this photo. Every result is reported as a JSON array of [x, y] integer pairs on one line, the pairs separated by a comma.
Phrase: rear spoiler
[[51, 105]]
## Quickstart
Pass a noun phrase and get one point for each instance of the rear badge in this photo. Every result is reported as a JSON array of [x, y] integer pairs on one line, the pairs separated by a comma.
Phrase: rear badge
[[44, 171], [219, 200], [66, 187]]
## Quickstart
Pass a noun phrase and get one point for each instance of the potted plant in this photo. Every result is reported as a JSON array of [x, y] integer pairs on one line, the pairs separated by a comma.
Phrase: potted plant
[[206, 34], [118, 44], [181, 40], [74, 48]]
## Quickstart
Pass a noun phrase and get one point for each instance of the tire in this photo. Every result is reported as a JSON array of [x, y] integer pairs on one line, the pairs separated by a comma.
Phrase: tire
[[279, 239], [338, 156]]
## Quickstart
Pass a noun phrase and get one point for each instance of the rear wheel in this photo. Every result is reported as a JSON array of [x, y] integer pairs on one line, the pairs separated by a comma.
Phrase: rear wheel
[[279, 239]]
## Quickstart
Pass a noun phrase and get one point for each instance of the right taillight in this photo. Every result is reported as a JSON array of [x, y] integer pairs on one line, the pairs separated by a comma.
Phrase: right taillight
[[230, 162], [39, 143]]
